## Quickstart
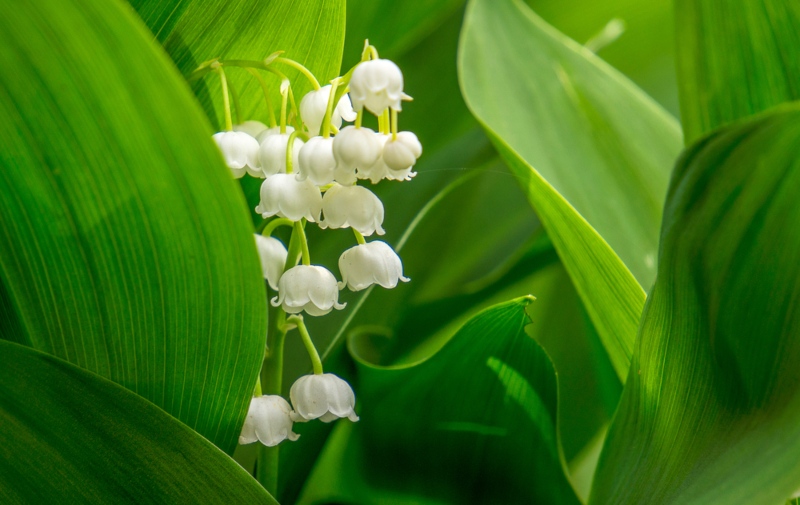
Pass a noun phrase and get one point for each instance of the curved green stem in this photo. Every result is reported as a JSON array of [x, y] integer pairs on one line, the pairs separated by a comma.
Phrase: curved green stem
[[316, 363], [301, 235], [284, 98], [359, 117], [359, 237], [237, 110], [226, 99], [274, 224], [326, 123], [290, 151], [265, 89], [303, 70], [393, 120]]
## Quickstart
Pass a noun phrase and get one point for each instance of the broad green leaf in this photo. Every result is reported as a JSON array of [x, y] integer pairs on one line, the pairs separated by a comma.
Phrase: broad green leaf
[[735, 58], [711, 410], [644, 51], [192, 32], [590, 150], [70, 436], [394, 27], [124, 243], [480, 415]]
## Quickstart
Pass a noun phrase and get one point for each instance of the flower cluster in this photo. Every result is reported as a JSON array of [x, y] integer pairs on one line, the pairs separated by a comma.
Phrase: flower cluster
[[311, 166]]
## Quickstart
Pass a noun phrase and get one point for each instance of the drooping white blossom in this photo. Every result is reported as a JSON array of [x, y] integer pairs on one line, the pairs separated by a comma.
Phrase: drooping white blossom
[[269, 421], [314, 105], [272, 153], [273, 258], [308, 288], [316, 161], [402, 152], [322, 396], [352, 206], [376, 85], [371, 263], [240, 151], [285, 196], [354, 148], [252, 128], [380, 170]]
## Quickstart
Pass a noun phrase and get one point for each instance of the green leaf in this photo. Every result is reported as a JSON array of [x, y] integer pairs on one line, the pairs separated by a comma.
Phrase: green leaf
[[711, 410], [735, 59], [590, 150], [125, 245], [394, 27], [480, 415], [69, 436], [192, 32]]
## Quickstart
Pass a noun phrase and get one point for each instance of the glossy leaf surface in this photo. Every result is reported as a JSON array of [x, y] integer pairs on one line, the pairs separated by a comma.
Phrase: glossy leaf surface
[[125, 247], [90, 441], [479, 415], [735, 58], [590, 150], [711, 409]]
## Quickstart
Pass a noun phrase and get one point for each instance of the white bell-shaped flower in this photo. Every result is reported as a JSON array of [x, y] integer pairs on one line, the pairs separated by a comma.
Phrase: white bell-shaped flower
[[252, 128], [269, 421], [275, 130], [380, 170], [240, 151], [322, 396], [285, 196], [352, 206], [272, 153], [273, 258], [371, 263], [377, 84], [402, 153], [308, 288], [355, 148], [314, 105], [316, 161]]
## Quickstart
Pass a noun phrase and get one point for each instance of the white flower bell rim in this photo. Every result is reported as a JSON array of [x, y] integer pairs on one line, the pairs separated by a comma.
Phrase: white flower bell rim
[[352, 206], [314, 105], [285, 196], [322, 396], [402, 152], [272, 153], [268, 421], [252, 128], [240, 151], [273, 258], [356, 148], [316, 161], [376, 85], [309, 288], [371, 263]]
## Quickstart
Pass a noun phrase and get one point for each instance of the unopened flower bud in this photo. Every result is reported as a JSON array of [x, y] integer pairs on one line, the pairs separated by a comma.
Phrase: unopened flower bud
[[272, 153], [322, 396], [285, 196], [273, 258], [314, 105], [377, 84], [371, 263], [269, 421], [356, 148], [352, 206], [316, 161], [308, 288], [240, 151], [402, 152]]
